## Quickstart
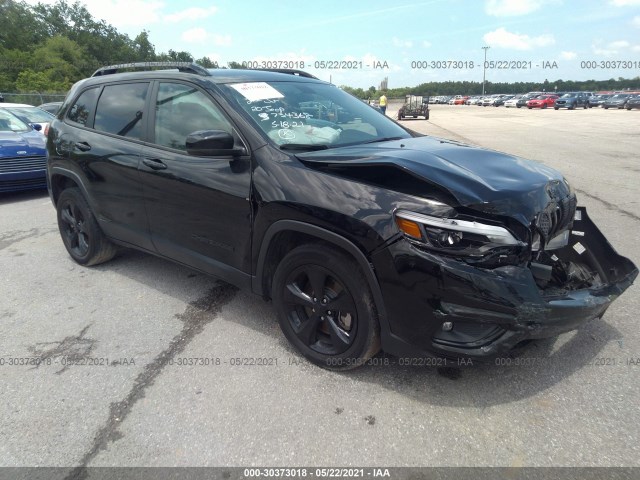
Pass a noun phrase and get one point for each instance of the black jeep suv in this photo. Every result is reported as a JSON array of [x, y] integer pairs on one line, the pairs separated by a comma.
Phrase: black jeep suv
[[364, 234]]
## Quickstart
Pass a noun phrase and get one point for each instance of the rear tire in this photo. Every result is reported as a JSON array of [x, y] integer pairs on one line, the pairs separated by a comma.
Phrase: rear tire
[[80, 232], [325, 307]]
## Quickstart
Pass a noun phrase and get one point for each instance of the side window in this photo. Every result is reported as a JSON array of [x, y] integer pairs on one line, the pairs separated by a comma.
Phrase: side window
[[120, 109], [83, 107], [181, 110]]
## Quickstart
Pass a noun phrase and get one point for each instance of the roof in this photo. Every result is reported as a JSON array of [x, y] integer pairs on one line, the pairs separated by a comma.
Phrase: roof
[[180, 69]]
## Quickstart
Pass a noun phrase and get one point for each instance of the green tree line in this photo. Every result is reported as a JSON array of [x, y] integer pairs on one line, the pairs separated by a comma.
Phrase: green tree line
[[46, 48]]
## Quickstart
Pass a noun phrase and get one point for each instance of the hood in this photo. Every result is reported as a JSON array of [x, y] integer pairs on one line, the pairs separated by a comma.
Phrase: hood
[[462, 175], [27, 144]]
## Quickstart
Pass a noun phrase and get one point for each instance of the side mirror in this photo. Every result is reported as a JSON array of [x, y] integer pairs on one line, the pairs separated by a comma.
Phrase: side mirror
[[205, 143], [36, 126]]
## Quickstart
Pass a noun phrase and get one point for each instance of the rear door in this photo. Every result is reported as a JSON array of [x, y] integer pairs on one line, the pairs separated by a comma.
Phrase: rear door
[[102, 136], [198, 207]]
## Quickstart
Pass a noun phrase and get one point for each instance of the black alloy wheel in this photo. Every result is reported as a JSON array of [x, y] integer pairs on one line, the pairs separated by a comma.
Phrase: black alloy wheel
[[81, 234], [325, 307]]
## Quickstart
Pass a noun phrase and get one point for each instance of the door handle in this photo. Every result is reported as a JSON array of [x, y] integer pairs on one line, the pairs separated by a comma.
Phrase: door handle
[[154, 163], [82, 146]]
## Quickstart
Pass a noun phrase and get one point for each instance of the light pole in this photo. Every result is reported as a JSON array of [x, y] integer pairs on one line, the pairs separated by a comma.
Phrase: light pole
[[484, 69]]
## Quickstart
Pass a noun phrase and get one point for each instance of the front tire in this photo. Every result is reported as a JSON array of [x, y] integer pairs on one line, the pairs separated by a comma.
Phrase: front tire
[[325, 307], [80, 232]]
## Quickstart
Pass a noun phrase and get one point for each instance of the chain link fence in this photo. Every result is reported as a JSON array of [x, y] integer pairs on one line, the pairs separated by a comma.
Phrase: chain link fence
[[31, 98]]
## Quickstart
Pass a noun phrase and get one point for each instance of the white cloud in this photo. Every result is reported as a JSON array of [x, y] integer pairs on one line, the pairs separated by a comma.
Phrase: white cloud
[[502, 38], [611, 49], [568, 55], [426, 43], [624, 3], [401, 43], [619, 44], [510, 8], [222, 40], [636, 21], [195, 35], [193, 13]]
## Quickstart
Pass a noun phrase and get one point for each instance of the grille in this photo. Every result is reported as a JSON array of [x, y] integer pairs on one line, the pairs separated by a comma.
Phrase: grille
[[10, 186], [22, 164], [558, 216]]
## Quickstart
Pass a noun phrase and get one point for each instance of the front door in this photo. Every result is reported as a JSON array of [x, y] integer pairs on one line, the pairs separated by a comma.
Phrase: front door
[[198, 207]]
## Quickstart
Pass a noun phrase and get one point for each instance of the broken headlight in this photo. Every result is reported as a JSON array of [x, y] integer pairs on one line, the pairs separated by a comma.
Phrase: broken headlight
[[458, 237]]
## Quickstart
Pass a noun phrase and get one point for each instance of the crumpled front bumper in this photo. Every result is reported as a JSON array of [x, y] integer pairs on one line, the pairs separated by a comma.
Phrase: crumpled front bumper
[[441, 306]]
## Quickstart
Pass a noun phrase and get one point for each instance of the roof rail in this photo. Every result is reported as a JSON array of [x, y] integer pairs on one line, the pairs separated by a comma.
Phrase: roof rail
[[186, 67], [299, 73]]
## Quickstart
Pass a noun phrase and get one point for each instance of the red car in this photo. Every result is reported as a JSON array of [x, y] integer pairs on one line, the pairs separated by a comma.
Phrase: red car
[[460, 101], [542, 101]]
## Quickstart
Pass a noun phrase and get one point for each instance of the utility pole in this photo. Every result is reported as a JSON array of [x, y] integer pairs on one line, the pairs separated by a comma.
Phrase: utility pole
[[484, 69]]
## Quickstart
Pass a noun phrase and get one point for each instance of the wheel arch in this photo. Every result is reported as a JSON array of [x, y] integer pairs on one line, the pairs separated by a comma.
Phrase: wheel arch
[[284, 235], [61, 179]]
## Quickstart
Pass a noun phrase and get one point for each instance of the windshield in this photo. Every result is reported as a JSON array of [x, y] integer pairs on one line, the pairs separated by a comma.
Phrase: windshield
[[10, 123], [31, 114], [313, 115]]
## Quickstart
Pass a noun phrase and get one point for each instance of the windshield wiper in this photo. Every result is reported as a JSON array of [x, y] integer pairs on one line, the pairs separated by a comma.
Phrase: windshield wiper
[[385, 139], [302, 146]]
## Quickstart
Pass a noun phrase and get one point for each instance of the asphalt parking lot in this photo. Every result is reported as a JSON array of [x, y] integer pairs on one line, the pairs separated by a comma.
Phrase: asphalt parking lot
[[143, 361]]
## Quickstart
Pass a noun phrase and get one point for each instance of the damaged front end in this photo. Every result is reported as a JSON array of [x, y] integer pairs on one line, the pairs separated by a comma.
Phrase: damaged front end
[[482, 290], [496, 253]]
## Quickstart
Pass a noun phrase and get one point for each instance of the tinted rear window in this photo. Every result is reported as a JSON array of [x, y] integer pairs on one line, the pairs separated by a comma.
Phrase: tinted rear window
[[120, 109], [84, 106]]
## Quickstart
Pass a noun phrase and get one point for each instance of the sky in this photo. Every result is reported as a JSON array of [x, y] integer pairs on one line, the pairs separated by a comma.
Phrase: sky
[[408, 42]]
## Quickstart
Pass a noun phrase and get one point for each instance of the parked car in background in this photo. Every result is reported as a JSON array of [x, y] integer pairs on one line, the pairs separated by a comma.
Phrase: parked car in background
[[51, 107], [460, 100], [31, 115], [488, 100], [500, 100], [598, 100], [513, 101], [616, 101], [23, 156], [542, 101], [473, 100], [572, 100], [522, 101], [633, 102]]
